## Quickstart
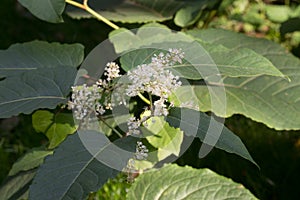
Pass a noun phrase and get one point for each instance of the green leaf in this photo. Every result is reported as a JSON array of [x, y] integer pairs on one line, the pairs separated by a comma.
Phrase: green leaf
[[211, 61], [125, 40], [17, 186], [36, 75], [133, 11], [208, 130], [174, 182], [278, 13], [273, 101], [48, 10], [201, 60], [112, 121], [190, 14], [55, 126], [81, 164], [29, 161], [163, 137]]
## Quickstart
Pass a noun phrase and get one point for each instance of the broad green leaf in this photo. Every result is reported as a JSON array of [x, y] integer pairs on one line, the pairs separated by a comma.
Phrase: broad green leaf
[[273, 101], [208, 130], [165, 138], [174, 182], [48, 10], [36, 75], [201, 60], [226, 62], [80, 165], [29, 161], [56, 126], [125, 40], [133, 11], [16, 187]]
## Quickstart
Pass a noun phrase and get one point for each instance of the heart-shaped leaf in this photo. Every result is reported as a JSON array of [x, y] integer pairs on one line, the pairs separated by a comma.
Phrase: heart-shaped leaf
[[36, 75], [174, 182]]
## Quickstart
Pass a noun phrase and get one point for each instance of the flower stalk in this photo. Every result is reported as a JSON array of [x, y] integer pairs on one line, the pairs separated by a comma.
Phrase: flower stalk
[[86, 7]]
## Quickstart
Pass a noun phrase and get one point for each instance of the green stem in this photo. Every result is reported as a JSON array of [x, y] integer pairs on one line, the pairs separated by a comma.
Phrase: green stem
[[151, 103], [86, 7], [112, 128], [144, 99]]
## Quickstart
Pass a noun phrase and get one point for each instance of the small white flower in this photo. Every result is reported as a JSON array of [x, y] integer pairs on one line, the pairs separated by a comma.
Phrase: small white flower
[[102, 83], [160, 108], [141, 152], [154, 78], [112, 71], [85, 100], [133, 126]]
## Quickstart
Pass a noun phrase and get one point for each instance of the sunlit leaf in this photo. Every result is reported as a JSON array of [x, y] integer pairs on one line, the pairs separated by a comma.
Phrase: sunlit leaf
[[56, 126], [174, 182], [273, 101], [226, 62], [29, 161], [165, 138]]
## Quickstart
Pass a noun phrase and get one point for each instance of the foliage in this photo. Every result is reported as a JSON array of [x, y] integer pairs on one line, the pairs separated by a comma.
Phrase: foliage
[[230, 73], [170, 182]]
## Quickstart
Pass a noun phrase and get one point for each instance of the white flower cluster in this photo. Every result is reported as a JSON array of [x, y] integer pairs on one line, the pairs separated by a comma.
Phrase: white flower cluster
[[141, 151], [172, 57], [112, 71], [133, 125], [87, 101], [155, 79]]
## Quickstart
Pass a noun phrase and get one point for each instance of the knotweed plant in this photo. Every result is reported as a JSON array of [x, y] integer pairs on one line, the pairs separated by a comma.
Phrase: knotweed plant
[[152, 82]]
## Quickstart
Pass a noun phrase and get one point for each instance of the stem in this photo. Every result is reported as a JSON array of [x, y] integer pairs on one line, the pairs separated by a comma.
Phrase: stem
[[115, 130], [151, 103], [144, 99], [76, 4], [86, 7]]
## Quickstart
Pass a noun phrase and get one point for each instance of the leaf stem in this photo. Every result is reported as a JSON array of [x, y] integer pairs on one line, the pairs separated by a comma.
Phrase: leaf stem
[[144, 99], [76, 4], [151, 103], [86, 7], [112, 128]]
